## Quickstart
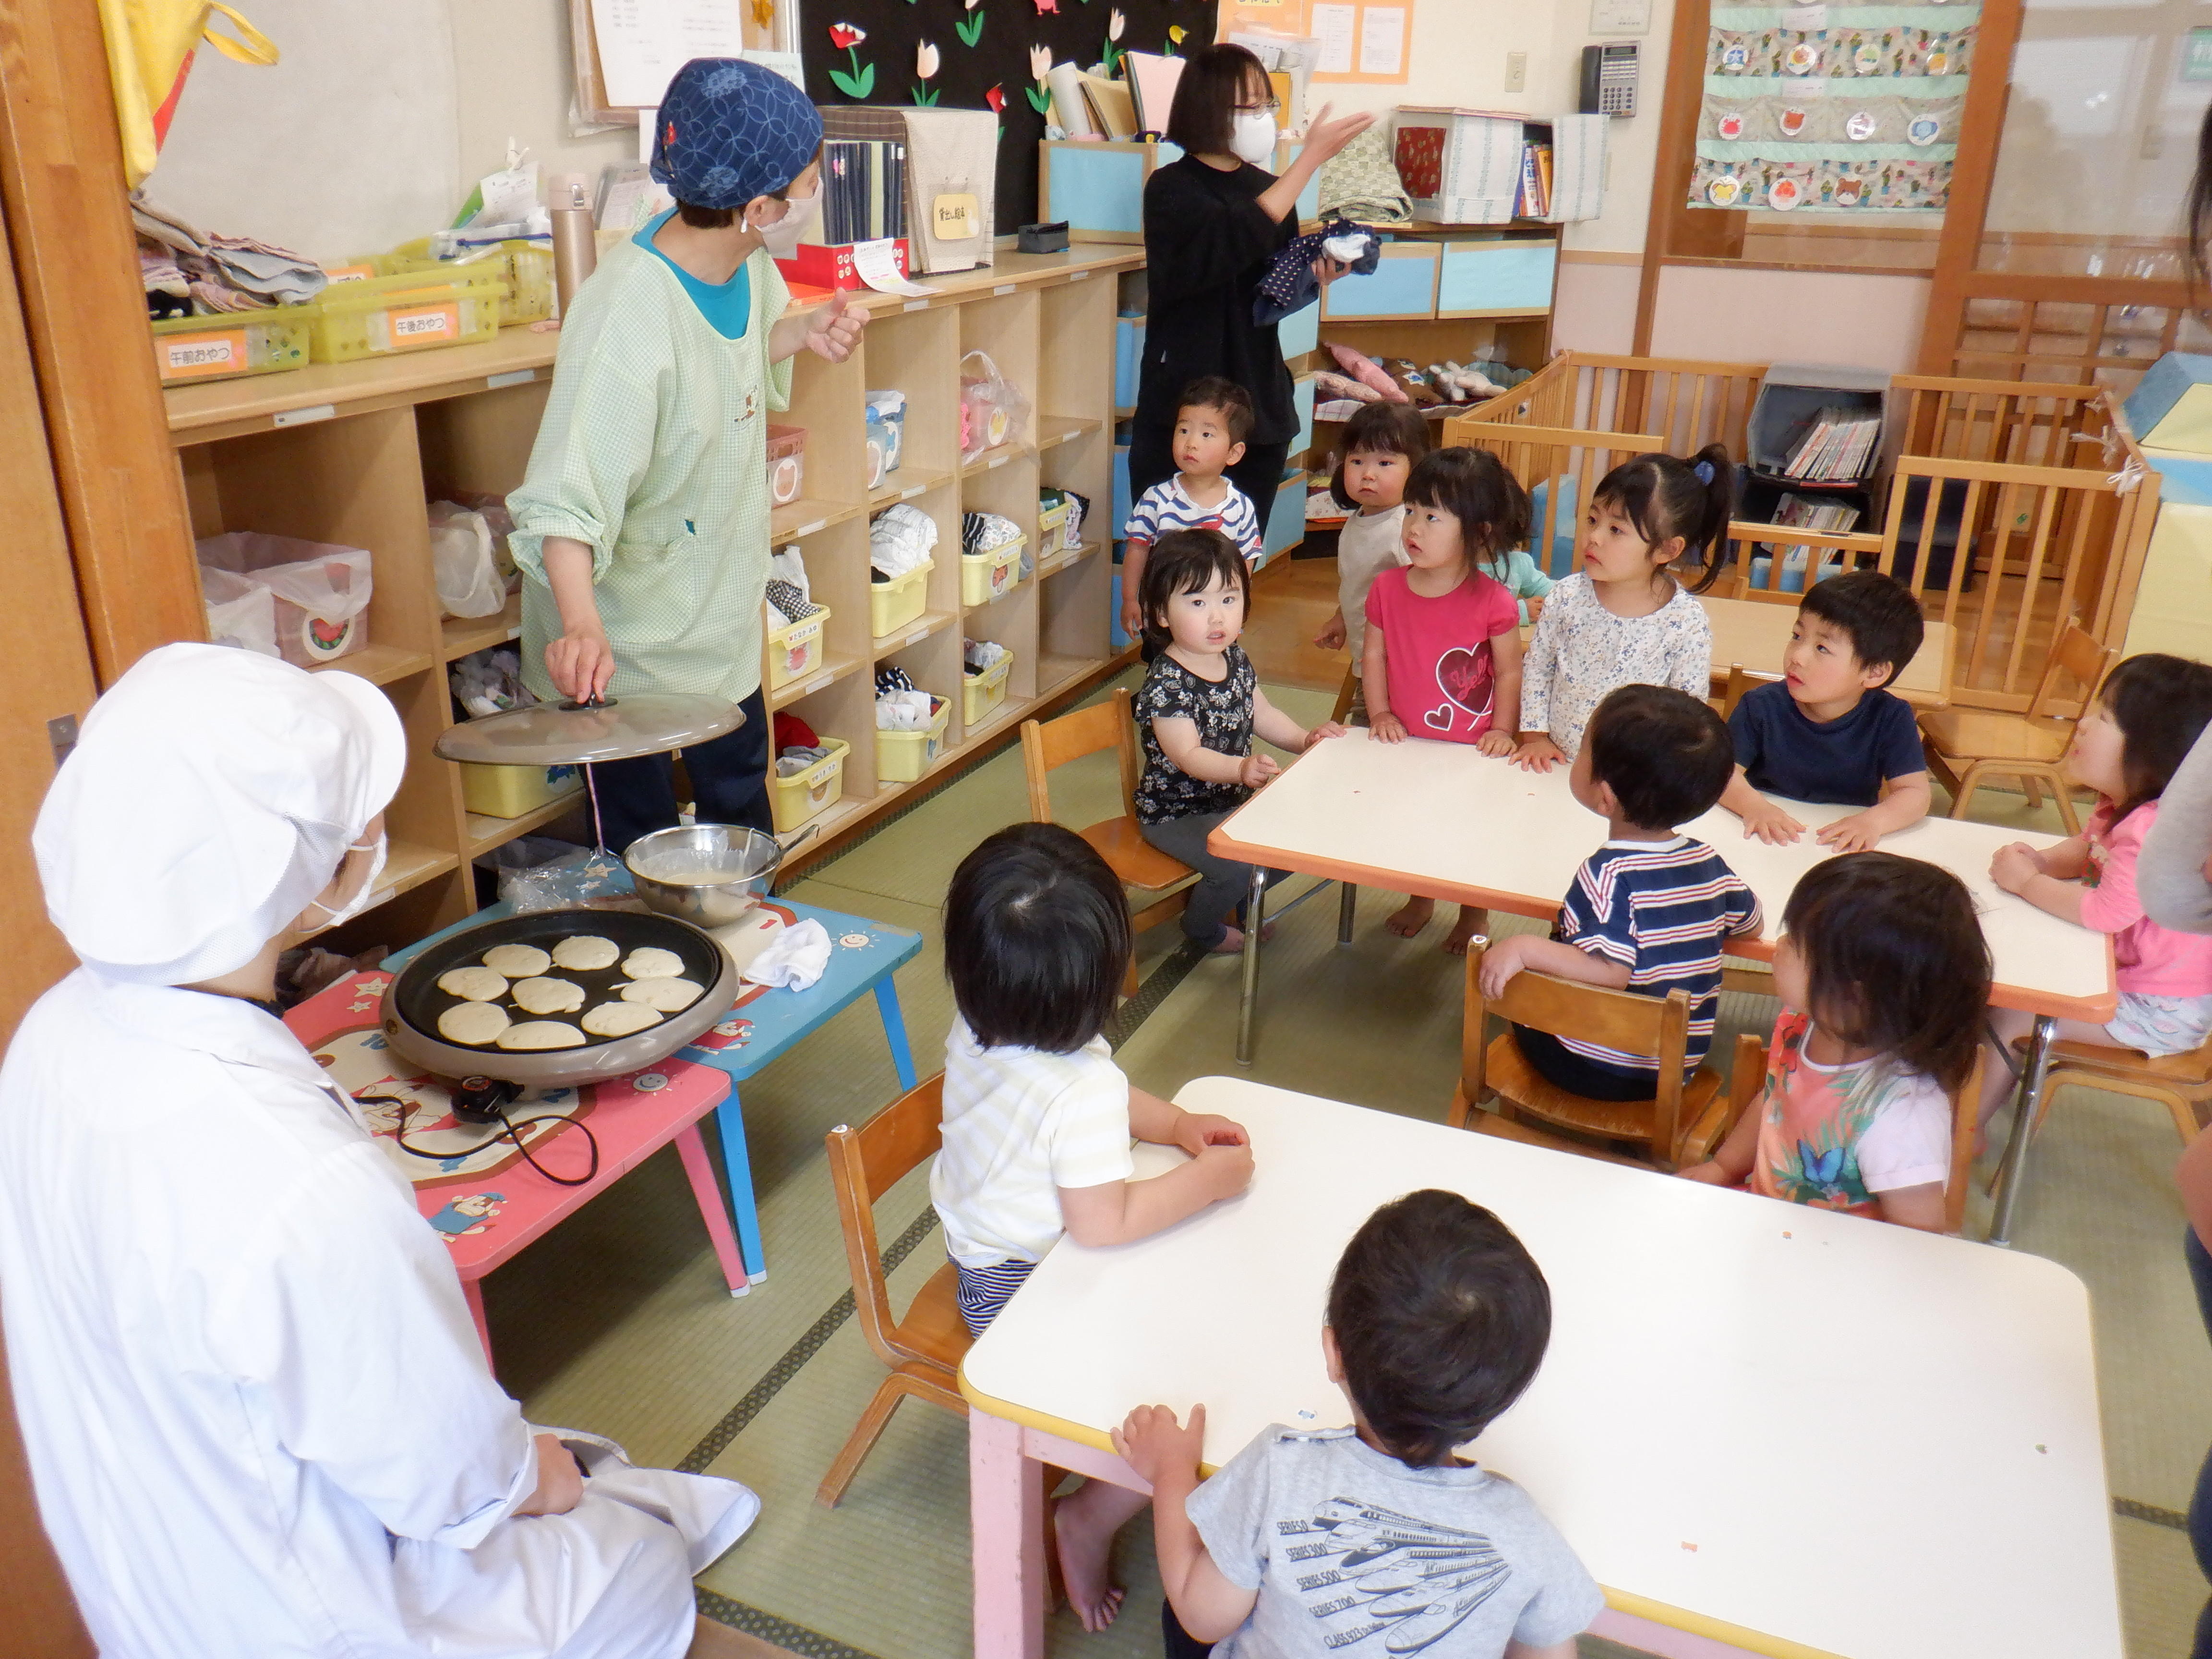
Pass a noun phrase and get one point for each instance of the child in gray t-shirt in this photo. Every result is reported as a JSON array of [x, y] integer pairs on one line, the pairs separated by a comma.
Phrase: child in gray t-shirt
[[1377, 1539]]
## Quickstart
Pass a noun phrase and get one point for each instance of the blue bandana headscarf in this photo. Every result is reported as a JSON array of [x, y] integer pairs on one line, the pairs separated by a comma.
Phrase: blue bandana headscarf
[[729, 131]]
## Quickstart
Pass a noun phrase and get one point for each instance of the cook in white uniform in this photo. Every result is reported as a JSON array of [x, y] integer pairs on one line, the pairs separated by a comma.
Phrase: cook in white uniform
[[258, 1420]]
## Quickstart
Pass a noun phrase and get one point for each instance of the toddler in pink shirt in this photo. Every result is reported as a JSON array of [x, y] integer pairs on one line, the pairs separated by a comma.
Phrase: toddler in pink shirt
[[2127, 745]]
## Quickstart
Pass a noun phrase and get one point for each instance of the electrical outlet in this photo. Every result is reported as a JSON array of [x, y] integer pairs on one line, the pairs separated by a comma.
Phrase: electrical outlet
[[1516, 71]]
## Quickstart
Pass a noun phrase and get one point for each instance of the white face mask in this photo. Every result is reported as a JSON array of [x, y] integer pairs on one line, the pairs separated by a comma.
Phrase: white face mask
[[1252, 136], [782, 238], [380, 849]]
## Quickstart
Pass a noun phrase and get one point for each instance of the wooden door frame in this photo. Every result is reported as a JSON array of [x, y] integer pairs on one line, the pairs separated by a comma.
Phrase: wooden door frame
[[1966, 211]]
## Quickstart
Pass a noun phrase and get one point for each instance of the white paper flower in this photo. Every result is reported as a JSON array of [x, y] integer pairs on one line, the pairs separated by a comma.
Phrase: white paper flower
[[1040, 62], [1114, 22], [925, 61]]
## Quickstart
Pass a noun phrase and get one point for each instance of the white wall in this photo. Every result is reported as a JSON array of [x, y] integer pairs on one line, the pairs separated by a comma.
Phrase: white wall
[[1756, 316]]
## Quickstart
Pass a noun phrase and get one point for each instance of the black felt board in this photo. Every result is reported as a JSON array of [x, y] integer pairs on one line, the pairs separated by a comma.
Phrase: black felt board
[[981, 46]]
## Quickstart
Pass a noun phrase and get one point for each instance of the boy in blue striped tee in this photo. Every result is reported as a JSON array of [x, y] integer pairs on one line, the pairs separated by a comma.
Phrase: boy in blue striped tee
[[1651, 909], [1210, 429]]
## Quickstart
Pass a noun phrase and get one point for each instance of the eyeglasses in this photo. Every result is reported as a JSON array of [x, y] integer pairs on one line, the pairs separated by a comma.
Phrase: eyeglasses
[[1272, 107]]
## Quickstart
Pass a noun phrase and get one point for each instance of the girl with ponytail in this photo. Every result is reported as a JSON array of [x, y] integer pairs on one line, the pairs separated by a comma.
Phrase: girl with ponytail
[[1622, 618]]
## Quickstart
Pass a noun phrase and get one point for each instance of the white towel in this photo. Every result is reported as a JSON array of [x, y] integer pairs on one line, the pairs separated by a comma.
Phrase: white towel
[[794, 959]]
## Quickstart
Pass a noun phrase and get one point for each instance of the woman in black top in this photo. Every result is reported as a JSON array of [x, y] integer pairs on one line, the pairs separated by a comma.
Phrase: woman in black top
[[1213, 223]]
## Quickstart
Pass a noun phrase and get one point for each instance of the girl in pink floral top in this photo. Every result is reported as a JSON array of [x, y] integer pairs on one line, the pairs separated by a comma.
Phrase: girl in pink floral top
[[2126, 747]]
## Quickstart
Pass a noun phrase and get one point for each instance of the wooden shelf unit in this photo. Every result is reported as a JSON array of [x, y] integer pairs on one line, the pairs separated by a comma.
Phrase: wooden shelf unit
[[352, 453]]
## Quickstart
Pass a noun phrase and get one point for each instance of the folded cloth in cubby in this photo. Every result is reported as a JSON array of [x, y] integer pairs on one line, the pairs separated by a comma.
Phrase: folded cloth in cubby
[[904, 711], [1361, 181], [796, 758], [789, 603], [900, 539], [890, 677], [979, 655], [982, 532]]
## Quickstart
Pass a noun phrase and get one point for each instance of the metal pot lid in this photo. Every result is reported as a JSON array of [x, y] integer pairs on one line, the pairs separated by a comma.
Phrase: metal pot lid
[[567, 734]]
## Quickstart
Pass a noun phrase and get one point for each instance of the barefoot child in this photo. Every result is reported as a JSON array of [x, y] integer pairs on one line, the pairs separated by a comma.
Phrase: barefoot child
[[1651, 909], [1883, 974], [1038, 1118], [2127, 746], [1198, 712], [1828, 730], [1382, 443], [1438, 1320], [1622, 619], [1210, 431], [1443, 640]]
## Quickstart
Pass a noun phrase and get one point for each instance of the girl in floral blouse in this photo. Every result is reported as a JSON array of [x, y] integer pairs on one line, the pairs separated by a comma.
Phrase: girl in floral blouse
[[1622, 619], [1198, 712]]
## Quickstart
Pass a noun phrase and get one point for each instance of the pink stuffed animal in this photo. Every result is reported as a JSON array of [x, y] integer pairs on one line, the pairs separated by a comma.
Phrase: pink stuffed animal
[[1369, 372]]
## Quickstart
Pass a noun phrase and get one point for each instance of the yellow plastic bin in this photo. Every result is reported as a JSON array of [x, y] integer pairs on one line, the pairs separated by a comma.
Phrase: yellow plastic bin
[[904, 757], [982, 694], [508, 792], [188, 348], [411, 311], [805, 794], [524, 266], [894, 604], [796, 649], [987, 576]]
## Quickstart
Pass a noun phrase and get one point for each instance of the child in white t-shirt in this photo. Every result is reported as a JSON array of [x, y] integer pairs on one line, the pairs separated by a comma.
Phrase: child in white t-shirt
[[1037, 1118], [1381, 443]]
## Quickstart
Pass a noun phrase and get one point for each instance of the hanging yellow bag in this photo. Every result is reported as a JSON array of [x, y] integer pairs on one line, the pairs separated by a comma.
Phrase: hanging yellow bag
[[150, 44]]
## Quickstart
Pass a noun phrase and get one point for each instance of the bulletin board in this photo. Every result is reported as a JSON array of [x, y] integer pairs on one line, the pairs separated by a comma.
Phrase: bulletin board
[[982, 53], [1361, 43]]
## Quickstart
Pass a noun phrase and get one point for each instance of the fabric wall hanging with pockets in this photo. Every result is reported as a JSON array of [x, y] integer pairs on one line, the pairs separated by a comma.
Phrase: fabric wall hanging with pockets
[[985, 54], [1833, 108]]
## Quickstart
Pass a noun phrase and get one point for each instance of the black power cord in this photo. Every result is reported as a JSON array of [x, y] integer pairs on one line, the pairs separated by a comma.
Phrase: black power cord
[[483, 1100]]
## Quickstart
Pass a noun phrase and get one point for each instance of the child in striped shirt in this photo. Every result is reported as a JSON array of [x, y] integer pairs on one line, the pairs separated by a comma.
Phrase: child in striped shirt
[[1210, 430], [1037, 1118], [1651, 909]]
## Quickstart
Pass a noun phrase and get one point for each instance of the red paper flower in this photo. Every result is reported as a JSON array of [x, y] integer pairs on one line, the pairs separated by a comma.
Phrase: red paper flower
[[995, 98], [845, 37]]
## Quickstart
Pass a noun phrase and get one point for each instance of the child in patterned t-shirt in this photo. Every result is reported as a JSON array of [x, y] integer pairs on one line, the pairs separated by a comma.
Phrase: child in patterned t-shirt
[[1201, 706]]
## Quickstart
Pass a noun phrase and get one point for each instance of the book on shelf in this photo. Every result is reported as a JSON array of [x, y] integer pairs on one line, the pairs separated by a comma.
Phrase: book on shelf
[[1835, 448], [1112, 109], [1152, 80], [863, 190], [1532, 199]]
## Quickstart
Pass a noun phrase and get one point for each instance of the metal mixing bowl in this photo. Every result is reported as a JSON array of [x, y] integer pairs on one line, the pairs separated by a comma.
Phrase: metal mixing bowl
[[707, 874]]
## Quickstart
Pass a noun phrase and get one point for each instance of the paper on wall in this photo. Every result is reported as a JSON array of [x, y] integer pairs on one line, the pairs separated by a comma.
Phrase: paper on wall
[[1332, 25], [1383, 40], [876, 265], [642, 43]]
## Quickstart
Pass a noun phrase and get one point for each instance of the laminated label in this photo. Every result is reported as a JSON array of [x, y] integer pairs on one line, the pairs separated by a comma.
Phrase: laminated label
[[430, 323], [194, 355]]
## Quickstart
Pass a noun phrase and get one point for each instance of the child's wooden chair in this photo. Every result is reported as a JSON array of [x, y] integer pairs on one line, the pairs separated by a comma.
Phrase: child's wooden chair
[[1964, 746], [1740, 680], [1344, 693], [924, 1349], [1162, 883], [1680, 1125], [2180, 1083]]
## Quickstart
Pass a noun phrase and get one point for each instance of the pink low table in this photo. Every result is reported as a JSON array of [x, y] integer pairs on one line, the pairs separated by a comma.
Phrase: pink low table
[[486, 1200]]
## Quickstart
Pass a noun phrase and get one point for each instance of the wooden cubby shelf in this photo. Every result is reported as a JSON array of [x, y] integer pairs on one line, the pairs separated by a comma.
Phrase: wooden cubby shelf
[[352, 453]]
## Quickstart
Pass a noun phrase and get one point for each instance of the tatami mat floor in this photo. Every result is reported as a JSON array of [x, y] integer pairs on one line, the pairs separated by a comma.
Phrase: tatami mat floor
[[618, 1321]]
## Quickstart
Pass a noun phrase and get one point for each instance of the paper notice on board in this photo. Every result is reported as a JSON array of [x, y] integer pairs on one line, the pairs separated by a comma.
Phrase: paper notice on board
[[1332, 25], [642, 43], [1383, 40], [876, 265]]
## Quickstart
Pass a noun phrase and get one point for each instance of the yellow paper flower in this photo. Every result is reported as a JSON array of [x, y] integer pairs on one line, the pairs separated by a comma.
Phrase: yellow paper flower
[[1175, 33]]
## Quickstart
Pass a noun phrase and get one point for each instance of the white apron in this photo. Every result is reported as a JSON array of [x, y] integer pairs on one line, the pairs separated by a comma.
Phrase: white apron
[[257, 1418]]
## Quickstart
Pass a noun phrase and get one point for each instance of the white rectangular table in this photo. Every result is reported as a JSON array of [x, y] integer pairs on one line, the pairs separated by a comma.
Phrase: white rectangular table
[[1765, 1428], [1445, 821]]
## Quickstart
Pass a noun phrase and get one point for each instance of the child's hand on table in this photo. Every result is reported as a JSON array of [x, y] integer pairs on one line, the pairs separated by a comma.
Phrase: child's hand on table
[[1226, 1168], [2015, 866], [1386, 727], [1321, 733], [1255, 770], [1770, 824], [1538, 754], [1850, 835], [1332, 636], [1197, 1130], [1496, 743], [1150, 1442]]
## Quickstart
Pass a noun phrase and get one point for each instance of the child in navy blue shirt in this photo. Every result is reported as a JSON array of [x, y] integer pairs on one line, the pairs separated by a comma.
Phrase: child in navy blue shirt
[[1828, 732], [1651, 909]]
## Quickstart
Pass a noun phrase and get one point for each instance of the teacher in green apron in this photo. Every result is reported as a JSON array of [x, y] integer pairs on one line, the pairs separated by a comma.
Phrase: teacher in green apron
[[642, 529]]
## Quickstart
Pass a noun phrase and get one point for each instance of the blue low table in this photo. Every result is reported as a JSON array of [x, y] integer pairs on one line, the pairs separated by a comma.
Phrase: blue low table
[[765, 1024]]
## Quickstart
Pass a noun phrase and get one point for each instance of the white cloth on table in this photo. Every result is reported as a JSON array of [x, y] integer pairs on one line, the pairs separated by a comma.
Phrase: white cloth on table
[[901, 539], [794, 959]]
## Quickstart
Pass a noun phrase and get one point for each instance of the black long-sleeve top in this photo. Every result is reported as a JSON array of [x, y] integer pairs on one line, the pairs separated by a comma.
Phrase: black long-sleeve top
[[1208, 243]]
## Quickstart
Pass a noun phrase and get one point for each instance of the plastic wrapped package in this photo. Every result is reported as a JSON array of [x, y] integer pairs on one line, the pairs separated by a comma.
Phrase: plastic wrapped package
[[321, 590], [239, 612], [465, 561], [993, 410]]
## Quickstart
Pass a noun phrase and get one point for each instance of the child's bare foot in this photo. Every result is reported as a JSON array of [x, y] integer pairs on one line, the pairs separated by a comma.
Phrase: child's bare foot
[[1471, 922], [1413, 915], [1083, 1525], [1233, 941]]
